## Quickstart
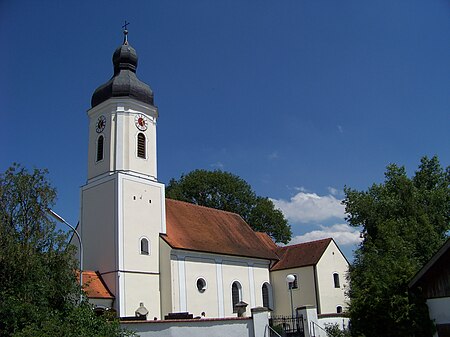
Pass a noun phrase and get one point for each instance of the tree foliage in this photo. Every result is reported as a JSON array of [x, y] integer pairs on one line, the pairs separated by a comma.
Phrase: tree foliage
[[38, 286], [226, 191], [404, 221]]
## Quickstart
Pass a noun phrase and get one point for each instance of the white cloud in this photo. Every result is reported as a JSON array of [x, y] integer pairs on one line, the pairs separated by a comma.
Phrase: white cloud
[[333, 191], [343, 234], [217, 165], [301, 189], [310, 207], [273, 155], [341, 130]]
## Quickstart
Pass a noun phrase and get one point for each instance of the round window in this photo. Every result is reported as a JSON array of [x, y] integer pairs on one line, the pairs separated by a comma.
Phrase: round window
[[201, 285]]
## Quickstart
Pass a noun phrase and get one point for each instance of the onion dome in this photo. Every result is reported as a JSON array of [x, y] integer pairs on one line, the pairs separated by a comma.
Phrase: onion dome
[[124, 82]]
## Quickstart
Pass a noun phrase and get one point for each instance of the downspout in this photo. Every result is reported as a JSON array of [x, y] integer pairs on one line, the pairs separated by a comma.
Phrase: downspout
[[316, 288]]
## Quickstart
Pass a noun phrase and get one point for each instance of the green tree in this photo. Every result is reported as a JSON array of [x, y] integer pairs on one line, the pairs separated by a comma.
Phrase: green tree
[[404, 221], [228, 192], [333, 330], [38, 286]]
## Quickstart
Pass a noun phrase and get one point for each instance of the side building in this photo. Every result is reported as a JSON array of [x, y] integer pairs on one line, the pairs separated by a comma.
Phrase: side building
[[319, 269]]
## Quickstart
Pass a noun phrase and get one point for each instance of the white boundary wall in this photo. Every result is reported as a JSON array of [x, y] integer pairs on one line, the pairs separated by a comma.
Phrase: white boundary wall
[[254, 326], [236, 327]]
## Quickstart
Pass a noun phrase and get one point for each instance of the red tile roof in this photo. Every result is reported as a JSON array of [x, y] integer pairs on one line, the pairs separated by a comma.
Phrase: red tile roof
[[204, 229], [267, 241], [94, 286], [301, 255]]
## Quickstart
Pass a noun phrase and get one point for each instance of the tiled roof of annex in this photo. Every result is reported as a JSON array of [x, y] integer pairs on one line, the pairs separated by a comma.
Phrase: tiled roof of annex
[[94, 286], [300, 255], [204, 229]]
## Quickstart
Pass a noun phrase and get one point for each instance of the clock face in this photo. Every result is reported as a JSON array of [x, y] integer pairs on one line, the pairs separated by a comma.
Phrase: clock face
[[141, 122], [101, 123]]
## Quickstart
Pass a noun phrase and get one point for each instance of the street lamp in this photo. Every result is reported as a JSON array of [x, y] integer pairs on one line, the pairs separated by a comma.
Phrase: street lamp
[[60, 219], [290, 280]]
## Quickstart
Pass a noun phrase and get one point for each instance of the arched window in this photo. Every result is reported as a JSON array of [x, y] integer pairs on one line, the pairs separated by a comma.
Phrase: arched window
[[267, 295], [144, 247], [336, 280], [141, 145], [236, 294], [100, 148], [339, 309]]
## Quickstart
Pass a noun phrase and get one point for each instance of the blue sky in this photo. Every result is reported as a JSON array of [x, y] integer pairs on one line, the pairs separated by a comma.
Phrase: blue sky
[[299, 98]]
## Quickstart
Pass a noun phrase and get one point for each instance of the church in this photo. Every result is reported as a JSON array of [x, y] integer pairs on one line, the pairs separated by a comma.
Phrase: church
[[145, 254]]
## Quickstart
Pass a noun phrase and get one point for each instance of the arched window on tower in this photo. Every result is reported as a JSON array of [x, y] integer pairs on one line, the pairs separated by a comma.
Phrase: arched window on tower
[[100, 148], [236, 294], [141, 145], [144, 247]]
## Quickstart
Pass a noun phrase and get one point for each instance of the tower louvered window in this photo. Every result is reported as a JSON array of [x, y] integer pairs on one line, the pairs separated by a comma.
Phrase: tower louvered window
[[100, 148], [141, 145]]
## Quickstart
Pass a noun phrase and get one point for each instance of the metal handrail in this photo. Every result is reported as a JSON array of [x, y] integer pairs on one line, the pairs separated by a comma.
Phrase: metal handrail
[[315, 324], [270, 328]]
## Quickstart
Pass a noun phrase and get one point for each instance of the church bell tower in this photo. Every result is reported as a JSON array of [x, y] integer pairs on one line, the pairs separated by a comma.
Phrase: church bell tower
[[122, 203]]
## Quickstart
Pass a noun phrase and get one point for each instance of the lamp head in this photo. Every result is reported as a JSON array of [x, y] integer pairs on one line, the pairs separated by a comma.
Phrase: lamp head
[[290, 278]]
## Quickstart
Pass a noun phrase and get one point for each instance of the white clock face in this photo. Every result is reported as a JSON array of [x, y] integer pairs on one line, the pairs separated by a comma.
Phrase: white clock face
[[101, 123], [141, 122]]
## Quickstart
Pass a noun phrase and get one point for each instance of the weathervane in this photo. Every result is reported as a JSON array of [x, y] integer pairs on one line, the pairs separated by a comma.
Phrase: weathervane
[[125, 32]]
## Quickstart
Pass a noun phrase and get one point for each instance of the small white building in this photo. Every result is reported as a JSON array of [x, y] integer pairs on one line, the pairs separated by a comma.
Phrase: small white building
[[171, 256], [319, 269], [432, 282]]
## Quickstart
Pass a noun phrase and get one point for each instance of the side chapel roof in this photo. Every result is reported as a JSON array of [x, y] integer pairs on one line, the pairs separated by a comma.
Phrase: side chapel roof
[[94, 286], [300, 255], [204, 229]]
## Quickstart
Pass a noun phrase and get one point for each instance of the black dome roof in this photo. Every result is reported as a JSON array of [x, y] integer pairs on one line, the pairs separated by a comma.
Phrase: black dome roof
[[124, 82]]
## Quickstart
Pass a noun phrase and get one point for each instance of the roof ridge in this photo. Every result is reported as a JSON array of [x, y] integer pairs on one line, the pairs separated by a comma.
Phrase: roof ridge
[[207, 207], [305, 243]]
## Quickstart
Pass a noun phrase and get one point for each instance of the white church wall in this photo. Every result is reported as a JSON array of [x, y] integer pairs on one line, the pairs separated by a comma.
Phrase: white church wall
[[332, 262], [175, 283], [219, 272], [165, 278], [235, 270], [140, 288], [98, 226], [205, 301], [304, 295], [140, 217], [261, 276]]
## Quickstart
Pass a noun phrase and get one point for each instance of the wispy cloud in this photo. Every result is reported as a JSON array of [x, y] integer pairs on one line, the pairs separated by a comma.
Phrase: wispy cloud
[[309, 207], [332, 190], [340, 129], [273, 155], [217, 165], [343, 234]]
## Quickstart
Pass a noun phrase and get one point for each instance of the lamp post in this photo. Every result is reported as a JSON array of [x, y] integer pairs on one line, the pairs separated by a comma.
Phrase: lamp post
[[60, 219], [290, 280]]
